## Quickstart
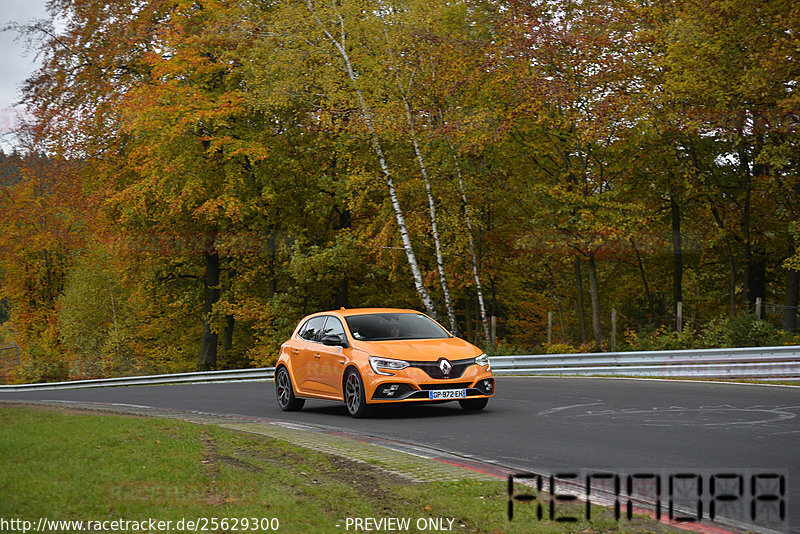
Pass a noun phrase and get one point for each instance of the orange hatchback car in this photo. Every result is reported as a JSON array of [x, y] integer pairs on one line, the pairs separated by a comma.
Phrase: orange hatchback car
[[366, 357]]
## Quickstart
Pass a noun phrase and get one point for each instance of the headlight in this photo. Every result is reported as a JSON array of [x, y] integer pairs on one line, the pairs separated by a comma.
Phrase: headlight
[[381, 365], [482, 360]]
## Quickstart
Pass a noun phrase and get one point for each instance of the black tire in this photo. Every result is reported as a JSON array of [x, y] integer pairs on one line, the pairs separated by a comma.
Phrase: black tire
[[354, 397], [284, 392], [474, 405]]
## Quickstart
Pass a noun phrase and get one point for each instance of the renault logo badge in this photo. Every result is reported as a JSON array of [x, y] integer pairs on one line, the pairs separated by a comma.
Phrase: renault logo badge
[[445, 366]]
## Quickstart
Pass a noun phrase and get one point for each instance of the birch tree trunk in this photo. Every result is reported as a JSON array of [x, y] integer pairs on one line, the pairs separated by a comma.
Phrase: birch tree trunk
[[473, 256], [451, 315], [340, 46], [403, 91]]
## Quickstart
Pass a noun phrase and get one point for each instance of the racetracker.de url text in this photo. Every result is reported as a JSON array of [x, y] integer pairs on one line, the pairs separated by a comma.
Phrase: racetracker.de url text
[[198, 524]]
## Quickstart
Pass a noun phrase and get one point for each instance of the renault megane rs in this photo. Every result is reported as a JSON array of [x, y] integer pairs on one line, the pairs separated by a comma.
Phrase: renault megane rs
[[366, 357]]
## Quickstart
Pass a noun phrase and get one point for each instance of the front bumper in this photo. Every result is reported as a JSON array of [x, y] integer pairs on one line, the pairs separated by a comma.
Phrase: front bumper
[[401, 392], [414, 384]]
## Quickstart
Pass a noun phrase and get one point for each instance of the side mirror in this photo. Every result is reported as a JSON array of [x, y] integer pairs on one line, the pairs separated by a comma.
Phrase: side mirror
[[333, 341]]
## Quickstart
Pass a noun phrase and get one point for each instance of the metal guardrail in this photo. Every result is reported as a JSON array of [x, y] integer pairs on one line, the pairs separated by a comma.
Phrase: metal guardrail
[[752, 362], [764, 363], [263, 373]]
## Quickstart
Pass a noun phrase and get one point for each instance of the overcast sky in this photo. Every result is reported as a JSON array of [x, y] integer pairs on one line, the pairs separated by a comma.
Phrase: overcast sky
[[15, 63]]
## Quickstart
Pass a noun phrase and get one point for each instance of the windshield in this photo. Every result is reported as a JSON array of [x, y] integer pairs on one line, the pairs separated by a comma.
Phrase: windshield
[[388, 326]]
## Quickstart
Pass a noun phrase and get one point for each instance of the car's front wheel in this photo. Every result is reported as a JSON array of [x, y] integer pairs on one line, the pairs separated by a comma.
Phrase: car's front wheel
[[354, 397], [285, 392], [474, 405]]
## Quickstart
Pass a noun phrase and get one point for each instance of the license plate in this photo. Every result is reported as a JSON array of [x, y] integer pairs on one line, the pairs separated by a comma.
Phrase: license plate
[[438, 394]]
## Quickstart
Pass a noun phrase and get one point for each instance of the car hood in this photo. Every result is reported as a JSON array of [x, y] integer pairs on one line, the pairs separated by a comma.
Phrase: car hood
[[426, 350]]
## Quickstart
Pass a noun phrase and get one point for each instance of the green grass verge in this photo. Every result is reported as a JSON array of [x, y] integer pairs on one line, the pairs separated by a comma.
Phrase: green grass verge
[[82, 466]]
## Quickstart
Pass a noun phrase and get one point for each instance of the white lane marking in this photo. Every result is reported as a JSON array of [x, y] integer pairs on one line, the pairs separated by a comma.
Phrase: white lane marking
[[294, 426], [667, 416], [562, 408]]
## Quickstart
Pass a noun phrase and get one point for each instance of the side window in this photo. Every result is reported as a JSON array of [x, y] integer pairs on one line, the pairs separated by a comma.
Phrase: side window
[[333, 327], [312, 330]]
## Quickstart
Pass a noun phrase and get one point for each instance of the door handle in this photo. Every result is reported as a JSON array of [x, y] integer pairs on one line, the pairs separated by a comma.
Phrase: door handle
[[317, 355], [295, 351]]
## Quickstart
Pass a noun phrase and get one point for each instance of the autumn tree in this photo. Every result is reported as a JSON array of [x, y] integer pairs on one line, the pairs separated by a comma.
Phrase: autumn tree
[[736, 89], [197, 176], [151, 94], [40, 230]]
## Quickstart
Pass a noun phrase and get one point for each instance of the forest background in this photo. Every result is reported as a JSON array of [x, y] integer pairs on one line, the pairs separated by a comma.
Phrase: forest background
[[197, 175]]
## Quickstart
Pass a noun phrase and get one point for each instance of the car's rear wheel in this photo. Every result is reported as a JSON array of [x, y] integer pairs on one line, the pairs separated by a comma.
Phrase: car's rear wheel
[[474, 405], [285, 392], [354, 397]]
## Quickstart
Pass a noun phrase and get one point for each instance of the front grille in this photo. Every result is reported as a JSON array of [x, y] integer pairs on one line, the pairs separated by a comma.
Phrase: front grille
[[434, 371], [449, 385]]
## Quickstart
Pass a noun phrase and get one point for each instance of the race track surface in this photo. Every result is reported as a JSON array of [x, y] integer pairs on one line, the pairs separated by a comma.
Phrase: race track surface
[[544, 423]]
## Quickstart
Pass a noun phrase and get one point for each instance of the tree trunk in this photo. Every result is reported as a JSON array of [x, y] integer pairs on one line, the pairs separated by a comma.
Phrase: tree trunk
[[757, 278], [596, 325], [343, 294], [754, 261], [790, 311], [230, 321], [342, 298], [472, 254], [272, 246], [677, 252], [468, 315], [208, 344], [227, 333], [340, 46], [557, 300], [448, 303], [644, 278], [732, 282], [475, 339], [579, 298]]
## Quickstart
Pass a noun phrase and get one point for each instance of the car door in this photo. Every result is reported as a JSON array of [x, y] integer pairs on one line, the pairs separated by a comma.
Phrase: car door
[[331, 359], [303, 360]]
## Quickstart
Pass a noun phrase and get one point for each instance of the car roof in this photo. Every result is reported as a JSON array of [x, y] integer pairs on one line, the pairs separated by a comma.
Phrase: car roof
[[364, 311]]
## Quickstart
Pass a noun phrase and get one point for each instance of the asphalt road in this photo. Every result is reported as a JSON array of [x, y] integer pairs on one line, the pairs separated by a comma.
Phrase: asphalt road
[[546, 423]]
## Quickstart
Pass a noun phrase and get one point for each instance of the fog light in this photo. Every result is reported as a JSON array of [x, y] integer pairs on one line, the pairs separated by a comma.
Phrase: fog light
[[390, 391], [487, 384]]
